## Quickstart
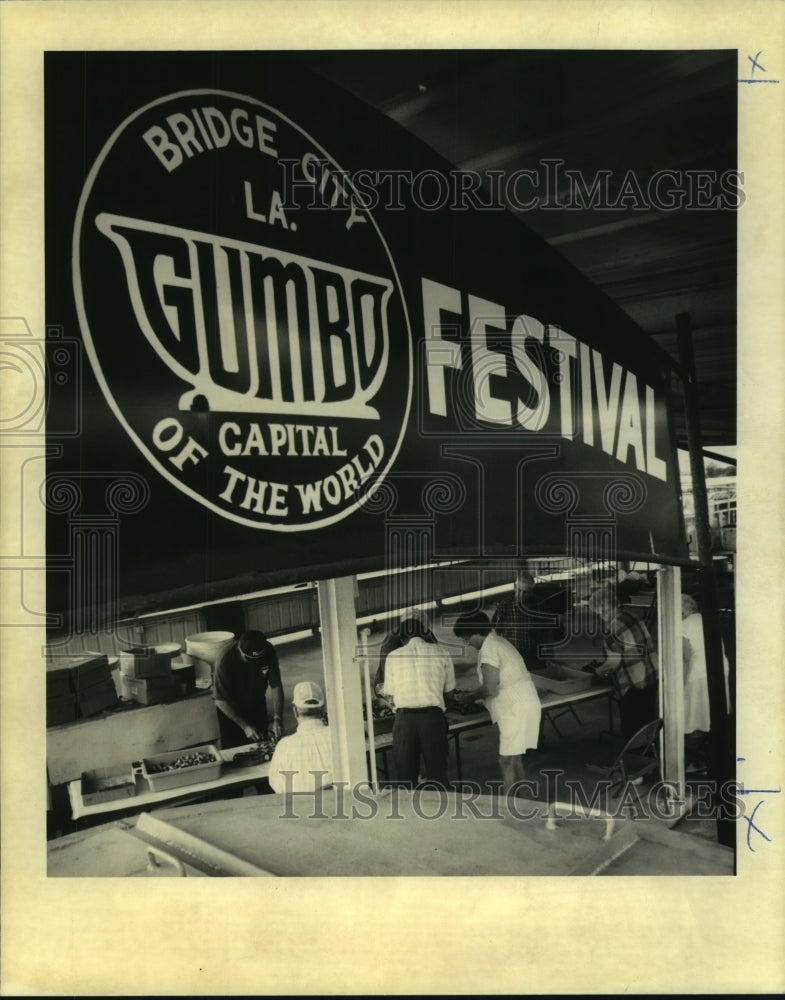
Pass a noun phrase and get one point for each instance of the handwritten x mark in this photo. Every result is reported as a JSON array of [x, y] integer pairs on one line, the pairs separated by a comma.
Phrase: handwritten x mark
[[752, 827]]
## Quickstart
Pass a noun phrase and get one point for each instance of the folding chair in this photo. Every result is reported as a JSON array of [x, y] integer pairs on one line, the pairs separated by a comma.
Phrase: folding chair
[[556, 713], [637, 757]]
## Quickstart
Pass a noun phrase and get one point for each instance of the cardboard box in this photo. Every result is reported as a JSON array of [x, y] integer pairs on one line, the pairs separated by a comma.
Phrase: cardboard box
[[58, 682], [96, 698], [142, 662], [86, 670], [149, 690], [80, 670], [106, 784], [61, 709]]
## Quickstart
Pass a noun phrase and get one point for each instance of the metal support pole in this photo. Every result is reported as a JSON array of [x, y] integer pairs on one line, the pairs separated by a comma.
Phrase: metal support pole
[[720, 750], [366, 665], [671, 679]]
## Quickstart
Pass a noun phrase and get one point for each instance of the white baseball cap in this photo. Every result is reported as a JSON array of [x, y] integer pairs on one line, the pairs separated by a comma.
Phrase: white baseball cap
[[307, 695]]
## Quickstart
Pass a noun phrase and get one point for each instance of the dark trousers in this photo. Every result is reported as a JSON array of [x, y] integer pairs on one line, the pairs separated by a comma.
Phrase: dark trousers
[[637, 707], [420, 733]]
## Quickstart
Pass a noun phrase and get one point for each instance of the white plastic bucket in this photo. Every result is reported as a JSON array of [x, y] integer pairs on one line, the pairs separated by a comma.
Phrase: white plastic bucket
[[207, 648]]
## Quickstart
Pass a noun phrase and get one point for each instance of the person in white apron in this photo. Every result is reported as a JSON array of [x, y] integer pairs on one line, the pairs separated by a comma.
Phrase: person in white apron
[[506, 689], [697, 717]]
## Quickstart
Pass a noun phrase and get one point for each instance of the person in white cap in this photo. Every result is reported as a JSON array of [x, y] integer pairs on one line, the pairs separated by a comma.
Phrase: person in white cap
[[303, 761]]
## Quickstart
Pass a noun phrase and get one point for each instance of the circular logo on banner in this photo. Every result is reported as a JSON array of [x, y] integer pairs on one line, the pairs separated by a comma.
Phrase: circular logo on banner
[[241, 311]]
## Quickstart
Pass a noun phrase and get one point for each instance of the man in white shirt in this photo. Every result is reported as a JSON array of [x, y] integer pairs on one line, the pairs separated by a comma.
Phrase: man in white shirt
[[303, 761], [415, 679]]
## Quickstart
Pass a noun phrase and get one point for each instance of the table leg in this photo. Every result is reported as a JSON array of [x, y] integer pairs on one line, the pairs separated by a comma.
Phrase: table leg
[[457, 742], [549, 717], [383, 768]]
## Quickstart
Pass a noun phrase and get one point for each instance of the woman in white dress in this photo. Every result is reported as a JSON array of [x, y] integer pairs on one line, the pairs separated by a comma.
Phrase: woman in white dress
[[506, 689], [696, 690]]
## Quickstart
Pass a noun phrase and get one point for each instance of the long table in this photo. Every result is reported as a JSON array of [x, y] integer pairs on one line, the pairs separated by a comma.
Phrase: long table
[[549, 700], [237, 777]]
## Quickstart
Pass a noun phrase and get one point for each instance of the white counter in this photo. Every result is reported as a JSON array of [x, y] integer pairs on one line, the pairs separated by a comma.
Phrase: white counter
[[128, 735]]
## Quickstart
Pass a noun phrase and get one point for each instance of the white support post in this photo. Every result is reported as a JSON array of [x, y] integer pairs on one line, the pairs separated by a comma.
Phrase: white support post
[[671, 679], [343, 679], [366, 671]]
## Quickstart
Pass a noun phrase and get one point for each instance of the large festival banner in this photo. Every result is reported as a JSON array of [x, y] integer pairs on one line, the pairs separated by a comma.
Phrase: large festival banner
[[279, 326]]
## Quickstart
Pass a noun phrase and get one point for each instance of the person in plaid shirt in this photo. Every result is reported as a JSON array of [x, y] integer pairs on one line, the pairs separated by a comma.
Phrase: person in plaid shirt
[[629, 662], [416, 678], [393, 641]]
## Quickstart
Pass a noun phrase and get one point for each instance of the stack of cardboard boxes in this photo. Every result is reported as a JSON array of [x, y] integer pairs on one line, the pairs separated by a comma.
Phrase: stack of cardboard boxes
[[146, 675], [78, 687], [60, 698]]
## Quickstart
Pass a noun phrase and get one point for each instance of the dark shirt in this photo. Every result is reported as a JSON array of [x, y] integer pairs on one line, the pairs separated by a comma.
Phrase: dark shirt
[[244, 686], [525, 626]]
